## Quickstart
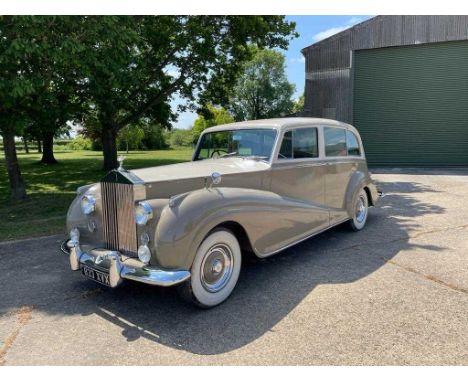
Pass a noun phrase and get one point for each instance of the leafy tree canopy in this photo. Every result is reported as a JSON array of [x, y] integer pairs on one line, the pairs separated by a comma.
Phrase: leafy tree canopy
[[211, 116], [37, 77], [299, 104], [134, 65], [263, 90]]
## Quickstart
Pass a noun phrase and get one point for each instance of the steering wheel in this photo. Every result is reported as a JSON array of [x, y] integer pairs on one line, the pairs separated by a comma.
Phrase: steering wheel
[[219, 151]]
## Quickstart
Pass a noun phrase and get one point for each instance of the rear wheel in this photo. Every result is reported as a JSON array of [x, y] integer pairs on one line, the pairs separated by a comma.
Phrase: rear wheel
[[360, 211], [215, 270]]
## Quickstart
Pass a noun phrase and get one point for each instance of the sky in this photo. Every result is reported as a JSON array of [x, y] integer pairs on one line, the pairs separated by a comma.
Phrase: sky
[[311, 29]]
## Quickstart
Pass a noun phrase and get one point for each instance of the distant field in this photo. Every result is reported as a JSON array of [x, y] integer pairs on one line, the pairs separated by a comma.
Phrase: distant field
[[51, 188]]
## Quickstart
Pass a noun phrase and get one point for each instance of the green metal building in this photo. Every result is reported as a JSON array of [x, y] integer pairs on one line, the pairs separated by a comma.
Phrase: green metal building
[[402, 81]]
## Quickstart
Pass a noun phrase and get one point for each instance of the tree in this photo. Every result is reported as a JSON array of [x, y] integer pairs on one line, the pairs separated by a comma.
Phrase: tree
[[135, 64], [154, 137], [210, 116], [131, 137], [262, 91], [9, 126], [180, 137], [299, 104], [16, 87], [36, 58], [50, 111]]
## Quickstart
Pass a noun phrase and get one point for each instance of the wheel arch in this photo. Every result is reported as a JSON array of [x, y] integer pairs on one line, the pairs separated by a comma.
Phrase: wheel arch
[[238, 231], [369, 195]]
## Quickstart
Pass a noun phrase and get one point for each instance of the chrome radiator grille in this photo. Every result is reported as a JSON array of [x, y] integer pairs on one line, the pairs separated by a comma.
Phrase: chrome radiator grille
[[119, 228]]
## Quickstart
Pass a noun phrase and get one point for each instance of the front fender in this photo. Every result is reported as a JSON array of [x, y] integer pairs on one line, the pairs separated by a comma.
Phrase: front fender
[[269, 221], [75, 217]]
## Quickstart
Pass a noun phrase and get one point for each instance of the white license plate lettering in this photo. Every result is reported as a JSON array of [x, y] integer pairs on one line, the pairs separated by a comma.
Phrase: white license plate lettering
[[100, 277], [88, 272]]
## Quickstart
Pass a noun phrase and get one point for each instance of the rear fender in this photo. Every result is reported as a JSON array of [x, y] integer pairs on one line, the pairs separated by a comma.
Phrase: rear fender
[[358, 181]]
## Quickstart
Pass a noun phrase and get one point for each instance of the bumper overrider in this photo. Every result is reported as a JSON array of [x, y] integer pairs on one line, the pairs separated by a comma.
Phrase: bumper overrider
[[110, 267]]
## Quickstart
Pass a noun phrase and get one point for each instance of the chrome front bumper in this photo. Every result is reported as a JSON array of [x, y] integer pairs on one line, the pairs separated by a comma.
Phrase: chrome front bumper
[[111, 263]]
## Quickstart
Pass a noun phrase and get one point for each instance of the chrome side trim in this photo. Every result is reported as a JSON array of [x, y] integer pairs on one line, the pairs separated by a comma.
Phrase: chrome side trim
[[111, 263]]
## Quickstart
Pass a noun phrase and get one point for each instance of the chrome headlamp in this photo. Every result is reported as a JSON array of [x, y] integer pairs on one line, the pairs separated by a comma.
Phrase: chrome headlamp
[[88, 204], [143, 213]]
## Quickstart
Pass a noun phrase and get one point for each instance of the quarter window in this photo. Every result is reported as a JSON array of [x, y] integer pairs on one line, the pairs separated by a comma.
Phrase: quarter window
[[335, 142], [352, 144], [286, 146]]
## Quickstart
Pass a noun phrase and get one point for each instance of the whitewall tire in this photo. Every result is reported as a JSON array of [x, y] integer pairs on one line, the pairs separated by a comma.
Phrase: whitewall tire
[[215, 270], [360, 211]]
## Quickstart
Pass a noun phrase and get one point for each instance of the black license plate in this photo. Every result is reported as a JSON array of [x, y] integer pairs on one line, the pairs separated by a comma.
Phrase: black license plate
[[93, 274]]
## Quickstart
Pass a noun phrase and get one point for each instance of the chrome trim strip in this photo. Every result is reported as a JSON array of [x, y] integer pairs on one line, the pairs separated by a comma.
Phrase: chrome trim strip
[[111, 263]]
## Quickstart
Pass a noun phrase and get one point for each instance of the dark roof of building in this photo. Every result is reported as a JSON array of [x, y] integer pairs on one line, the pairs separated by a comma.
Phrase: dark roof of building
[[343, 32]]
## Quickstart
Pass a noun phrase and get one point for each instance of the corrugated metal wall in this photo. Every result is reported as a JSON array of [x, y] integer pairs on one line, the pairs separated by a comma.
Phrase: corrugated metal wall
[[329, 71], [411, 104]]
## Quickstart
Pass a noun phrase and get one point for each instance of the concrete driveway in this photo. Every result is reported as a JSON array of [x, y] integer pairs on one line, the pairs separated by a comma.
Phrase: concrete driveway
[[395, 293]]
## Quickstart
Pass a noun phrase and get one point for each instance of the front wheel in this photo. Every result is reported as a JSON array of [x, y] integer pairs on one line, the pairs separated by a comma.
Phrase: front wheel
[[215, 270], [360, 211]]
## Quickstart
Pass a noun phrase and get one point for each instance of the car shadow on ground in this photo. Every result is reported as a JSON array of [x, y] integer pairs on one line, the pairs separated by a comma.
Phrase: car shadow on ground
[[267, 291]]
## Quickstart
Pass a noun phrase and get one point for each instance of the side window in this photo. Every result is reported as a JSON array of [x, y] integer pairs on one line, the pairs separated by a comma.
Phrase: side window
[[335, 142], [352, 144], [305, 143], [299, 143]]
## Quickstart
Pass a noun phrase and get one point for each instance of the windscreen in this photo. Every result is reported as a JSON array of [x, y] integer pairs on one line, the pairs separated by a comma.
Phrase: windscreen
[[243, 143]]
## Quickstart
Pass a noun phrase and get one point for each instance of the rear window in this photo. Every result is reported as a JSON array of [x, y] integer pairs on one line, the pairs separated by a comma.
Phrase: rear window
[[352, 144]]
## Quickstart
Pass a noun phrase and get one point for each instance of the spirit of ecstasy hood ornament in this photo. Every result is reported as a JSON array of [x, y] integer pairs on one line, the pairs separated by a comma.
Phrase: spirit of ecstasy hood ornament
[[121, 159]]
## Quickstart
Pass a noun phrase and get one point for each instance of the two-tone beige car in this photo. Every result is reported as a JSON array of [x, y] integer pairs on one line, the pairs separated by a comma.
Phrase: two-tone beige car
[[256, 186]]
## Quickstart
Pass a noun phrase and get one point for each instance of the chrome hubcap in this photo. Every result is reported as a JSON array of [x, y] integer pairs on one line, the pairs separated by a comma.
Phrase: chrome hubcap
[[216, 268], [361, 209]]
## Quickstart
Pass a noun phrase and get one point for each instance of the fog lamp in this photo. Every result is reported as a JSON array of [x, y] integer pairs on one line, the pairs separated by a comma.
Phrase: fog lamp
[[144, 254]]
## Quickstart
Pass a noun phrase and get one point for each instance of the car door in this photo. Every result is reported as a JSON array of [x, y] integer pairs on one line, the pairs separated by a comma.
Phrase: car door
[[297, 175], [339, 169]]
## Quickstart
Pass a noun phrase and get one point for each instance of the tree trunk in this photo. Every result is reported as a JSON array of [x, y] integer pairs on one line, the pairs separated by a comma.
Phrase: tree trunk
[[48, 149], [109, 148], [18, 191], [26, 147], [39, 146]]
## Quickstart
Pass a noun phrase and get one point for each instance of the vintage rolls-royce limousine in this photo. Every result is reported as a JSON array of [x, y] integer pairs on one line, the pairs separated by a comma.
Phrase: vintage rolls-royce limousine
[[258, 186]]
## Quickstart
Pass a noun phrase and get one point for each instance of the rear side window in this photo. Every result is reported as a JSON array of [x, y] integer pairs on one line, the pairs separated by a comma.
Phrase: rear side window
[[335, 142], [352, 144], [299, 143]]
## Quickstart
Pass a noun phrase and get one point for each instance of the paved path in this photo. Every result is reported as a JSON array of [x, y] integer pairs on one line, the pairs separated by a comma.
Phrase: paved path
[[396, 293]]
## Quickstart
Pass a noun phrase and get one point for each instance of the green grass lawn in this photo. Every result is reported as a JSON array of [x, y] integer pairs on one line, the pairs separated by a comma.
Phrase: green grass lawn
[[51, 188]]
